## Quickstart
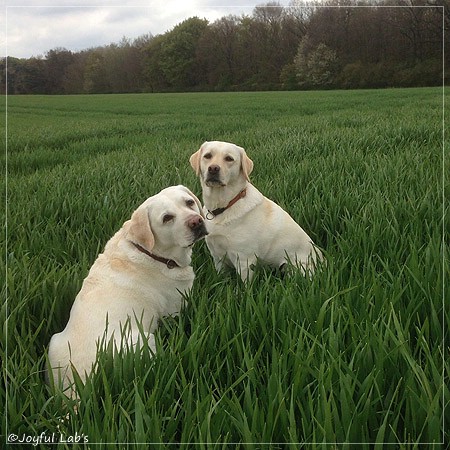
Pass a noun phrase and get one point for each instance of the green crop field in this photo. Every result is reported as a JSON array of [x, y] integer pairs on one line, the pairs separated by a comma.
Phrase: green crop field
[[354, 355]]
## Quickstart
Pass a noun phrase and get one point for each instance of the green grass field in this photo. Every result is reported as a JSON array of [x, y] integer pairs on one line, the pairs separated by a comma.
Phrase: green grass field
[[354, 355]]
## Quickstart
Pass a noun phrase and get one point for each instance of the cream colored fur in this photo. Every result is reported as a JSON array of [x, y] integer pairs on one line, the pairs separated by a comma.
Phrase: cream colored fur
[[127, 289], [254, 227]]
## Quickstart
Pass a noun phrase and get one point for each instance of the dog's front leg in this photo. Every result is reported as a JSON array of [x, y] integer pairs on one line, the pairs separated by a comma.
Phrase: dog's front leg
[[218, 263], [244, 266]]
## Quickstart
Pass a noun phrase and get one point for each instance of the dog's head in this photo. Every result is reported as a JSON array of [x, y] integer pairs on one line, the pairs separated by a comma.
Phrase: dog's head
[[219, 164], [171, 219]]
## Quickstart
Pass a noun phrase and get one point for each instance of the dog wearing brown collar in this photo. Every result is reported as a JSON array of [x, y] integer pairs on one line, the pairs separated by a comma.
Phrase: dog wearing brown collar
[[243, 225], [140, 277]]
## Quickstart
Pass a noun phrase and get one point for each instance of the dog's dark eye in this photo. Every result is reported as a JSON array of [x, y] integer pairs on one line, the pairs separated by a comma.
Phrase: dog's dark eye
[[229, 158], [168, 217], [207, 156], [190, 203]]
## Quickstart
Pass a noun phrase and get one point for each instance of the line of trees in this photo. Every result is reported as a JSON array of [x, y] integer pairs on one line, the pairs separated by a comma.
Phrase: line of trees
[[344, 44]]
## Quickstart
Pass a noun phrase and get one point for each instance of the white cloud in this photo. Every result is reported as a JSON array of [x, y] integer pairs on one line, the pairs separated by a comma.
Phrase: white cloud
[[37, 26]]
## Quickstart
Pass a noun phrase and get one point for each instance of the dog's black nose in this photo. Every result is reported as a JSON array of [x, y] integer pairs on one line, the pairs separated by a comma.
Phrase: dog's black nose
[[213, 168]]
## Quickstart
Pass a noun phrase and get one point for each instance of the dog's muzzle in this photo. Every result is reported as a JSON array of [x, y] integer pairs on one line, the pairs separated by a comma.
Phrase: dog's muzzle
[[197, 226], [200, 232], [213, 176], [213, 182]]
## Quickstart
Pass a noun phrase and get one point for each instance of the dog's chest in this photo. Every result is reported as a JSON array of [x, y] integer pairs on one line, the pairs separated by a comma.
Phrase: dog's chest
[[217, 244], [219, 240], [167, 297]]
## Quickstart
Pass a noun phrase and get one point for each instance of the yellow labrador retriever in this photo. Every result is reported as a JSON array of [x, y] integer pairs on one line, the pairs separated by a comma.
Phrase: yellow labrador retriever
[[140, 277], [244, 225]]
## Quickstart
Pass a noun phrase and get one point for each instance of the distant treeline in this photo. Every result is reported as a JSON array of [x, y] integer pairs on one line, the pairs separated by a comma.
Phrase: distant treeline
[[316, 47]]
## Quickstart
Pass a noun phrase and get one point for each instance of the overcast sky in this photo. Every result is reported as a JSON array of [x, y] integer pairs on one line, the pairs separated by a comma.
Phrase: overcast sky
[[32, 27]]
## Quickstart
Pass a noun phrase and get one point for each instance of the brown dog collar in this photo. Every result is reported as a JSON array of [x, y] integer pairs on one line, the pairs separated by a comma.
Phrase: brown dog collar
[[219, 211], [170, 263]]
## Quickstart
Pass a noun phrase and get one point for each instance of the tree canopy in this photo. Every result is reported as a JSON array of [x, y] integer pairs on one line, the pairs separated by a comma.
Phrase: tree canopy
[[340, 44]]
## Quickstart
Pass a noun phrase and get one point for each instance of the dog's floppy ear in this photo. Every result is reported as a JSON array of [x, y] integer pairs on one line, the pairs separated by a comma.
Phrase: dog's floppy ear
[[139, 230], [195, 160], [246, 164]]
